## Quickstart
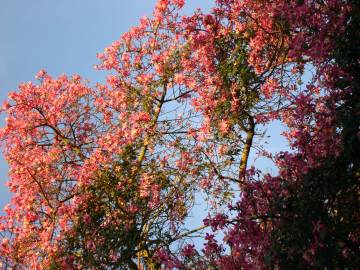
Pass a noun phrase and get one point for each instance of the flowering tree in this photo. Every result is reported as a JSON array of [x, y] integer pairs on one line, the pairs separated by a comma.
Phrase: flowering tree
[[104, 177], [306, 217]]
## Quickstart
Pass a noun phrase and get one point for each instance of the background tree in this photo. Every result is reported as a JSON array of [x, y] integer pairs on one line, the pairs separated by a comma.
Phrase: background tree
[[321, 222]]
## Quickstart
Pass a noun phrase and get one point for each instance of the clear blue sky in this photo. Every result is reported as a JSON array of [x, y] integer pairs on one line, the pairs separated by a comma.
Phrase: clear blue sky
[[61, 37]]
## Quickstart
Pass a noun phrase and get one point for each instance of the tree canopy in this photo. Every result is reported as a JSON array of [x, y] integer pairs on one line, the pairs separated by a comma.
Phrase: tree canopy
[[105, 176]]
